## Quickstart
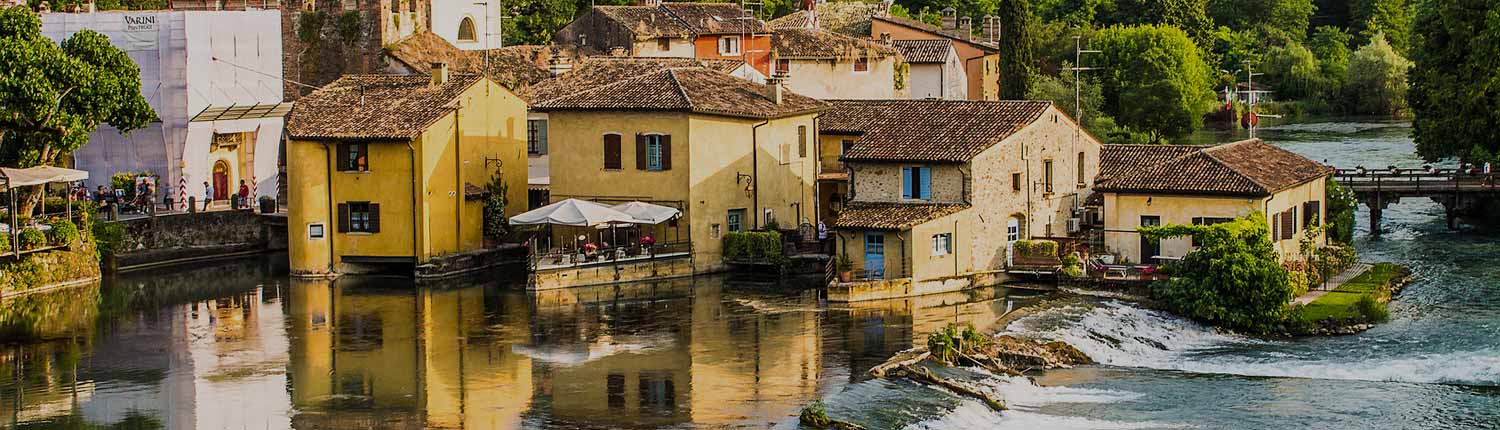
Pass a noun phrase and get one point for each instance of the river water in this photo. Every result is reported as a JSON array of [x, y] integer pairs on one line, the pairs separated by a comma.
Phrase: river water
[[238, 345]]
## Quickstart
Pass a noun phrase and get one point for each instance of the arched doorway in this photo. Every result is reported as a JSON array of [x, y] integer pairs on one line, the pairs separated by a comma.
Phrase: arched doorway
[[221, 180]]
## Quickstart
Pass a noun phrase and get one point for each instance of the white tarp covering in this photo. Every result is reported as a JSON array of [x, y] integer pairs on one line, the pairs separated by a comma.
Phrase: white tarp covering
[[572, 212], [39, 175], [647, 213]]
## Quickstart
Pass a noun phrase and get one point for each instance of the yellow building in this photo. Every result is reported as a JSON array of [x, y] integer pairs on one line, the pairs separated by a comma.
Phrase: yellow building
[[730, 153], [1147, 185], [940, 189], [390, 170]]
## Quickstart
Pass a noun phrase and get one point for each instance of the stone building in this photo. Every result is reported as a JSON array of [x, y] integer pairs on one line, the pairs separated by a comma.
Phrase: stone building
[[827, 65], [980, 54], [940, 189], [324, 39], [672, 29]]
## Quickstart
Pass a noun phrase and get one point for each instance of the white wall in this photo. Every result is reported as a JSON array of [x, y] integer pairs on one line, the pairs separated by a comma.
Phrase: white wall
[[932, 80], [828, 79], [447, 14], [677, 47]]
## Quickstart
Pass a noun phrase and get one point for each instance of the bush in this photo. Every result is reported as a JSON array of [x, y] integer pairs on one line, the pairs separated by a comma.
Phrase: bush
[[110, 237], [1232, 279], [4, 243], [1377, 78], [754, 245], [1072, 266], [63, 232], [954, 339], [1036, 248], [1371, 310], [32, 238]]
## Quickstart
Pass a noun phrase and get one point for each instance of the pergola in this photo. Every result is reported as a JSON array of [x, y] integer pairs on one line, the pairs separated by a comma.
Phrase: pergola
[[10, 178]]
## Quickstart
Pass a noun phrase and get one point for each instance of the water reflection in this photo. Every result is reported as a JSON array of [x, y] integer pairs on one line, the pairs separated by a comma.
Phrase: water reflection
[[242, 346]]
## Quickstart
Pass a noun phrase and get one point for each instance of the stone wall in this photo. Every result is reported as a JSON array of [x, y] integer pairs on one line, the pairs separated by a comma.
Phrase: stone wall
[[882, 182], [181, 237], [331, 53]]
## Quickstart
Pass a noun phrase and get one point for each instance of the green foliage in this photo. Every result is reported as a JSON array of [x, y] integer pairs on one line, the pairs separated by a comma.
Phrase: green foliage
[[1341, 205], [64, 5], [1059, 90], [126, 181], [1232, 279], [1393, 18], [753, 246], [772, 225], [62, 232], [954, 339], [349, 27], [1191, 16], [1283, 18], [1073, 13], [1036, 248], [1231, 49], [532, 22], [1377, 79], [1371, 310], [1154, 80], [1456, 68], [843, 263], [1072, 266], [109, 237], [1341, 304], [31, 238], [1017, 62], [1292, 71], [310, 26], [1331, 47], [496, 224], [4, 244]]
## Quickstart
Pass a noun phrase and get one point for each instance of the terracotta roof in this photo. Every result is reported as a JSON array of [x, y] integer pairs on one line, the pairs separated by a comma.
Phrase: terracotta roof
[[512, 66], [597, 71], [697, 90], [924, 50], [647, 22], [1248, 167], [716, 18], [891, 216], [798, 19], [954, 35], [818, 44], [926, 130], [374, 107]]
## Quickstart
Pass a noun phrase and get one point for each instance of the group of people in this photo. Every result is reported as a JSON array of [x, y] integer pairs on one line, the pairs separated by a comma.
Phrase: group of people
[[243, 200], [145, 192]]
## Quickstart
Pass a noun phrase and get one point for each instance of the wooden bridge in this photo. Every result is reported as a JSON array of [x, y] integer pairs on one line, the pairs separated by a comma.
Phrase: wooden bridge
[[1458, 190]]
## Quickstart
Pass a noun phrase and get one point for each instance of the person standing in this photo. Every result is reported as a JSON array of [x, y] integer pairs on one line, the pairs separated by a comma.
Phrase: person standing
[[208, 195], [244, 195]]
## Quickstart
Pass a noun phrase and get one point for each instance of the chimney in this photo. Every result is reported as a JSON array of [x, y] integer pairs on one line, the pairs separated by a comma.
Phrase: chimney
[[885, 38], [439, 73], [559, 64], [950, 18], [773, 87], [991, 24], [966, 28]]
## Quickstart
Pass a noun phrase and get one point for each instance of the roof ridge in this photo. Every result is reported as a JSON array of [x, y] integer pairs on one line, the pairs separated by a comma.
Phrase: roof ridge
[[672, 74], [1206, 153]]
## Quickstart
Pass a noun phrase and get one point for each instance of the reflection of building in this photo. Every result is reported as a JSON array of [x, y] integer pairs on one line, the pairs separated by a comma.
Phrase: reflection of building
[[213, 78]]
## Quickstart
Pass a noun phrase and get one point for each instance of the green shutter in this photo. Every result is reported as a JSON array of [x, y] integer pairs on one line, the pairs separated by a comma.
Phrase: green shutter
[[374, 217]]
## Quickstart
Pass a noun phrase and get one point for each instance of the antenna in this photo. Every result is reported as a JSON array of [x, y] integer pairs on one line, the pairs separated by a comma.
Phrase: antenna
[[1078, 69]]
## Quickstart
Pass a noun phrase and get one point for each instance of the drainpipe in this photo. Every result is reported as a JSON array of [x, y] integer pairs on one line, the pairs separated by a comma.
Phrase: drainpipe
[[817, 143], [416, 246], [755, 174], [1026, 223], [328, 173], [458, 179]]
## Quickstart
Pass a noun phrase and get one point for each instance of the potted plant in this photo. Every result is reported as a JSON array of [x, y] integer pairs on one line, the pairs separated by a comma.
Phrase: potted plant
[[267, 204], [845, 268]]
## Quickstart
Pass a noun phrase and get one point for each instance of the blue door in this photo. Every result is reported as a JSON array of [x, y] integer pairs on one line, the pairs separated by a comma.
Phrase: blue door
[[874, 255]]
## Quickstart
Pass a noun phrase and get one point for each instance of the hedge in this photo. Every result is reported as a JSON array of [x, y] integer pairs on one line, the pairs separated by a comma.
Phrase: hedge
[[755, 245]]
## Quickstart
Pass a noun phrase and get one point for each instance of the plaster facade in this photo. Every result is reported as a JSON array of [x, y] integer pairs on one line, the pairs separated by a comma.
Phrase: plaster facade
[[939, 80], [981, 64], [837, 79], [1123, 213]]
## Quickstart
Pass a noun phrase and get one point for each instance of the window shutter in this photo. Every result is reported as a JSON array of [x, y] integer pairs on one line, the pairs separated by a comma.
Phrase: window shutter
[[924, 190], [666, 152], [906, 182], [541, 141], [612, 151], [343, 220], [802, 141], [342, 158], [374, 217], [640, 152]]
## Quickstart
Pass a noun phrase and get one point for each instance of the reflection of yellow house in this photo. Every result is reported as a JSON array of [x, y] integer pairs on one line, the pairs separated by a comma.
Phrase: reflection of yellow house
[[730, 153], [941, 188], [1144, 185], [391, 169]]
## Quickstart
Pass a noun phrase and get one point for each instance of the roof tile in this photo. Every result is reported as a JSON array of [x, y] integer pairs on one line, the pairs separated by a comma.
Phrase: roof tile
[[818, 44], [374, 107], [696, 90], [1248, 167], [891, 216], [924, 50], [927, 130]]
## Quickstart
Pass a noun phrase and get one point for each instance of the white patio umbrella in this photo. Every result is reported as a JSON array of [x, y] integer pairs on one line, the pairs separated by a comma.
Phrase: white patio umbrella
[[572, 212], [647, 213]]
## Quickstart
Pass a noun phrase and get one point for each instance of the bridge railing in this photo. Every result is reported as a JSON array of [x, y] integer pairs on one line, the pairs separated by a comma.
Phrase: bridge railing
[[1417, 180]]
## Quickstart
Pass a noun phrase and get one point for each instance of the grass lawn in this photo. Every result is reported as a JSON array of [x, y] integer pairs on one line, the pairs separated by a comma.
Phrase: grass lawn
[[1339, 303]]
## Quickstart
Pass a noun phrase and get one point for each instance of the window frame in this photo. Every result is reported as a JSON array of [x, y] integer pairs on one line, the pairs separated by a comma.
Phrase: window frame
[[618, 151], [536, 136], [473, 30], [729, 45], [1015, 182], [654, 161], [354, 157], [916, 183], [1081, 163], [1047, 171], [664, 44], [861, 65], [942, 244], [734, 220]]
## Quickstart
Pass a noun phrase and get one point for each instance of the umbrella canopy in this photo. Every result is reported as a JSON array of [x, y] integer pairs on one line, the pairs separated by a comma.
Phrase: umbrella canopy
[[572, 212], [39, 175], [646, 213]]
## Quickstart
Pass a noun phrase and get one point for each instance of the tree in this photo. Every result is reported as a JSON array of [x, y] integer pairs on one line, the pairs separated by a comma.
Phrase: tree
[[1017, 64], [1453, 81], [1390, 17], [1154, 80], [1341, 205], [1233, 279], [1073, 13], [1189, 15], [52, 96], [1377, 79], [1292, 71], [1059, 90], [1331, 47], [532, 22], [1285, 17]]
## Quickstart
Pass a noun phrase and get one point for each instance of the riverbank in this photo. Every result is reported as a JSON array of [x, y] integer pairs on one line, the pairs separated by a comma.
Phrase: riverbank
[[1353, 306]]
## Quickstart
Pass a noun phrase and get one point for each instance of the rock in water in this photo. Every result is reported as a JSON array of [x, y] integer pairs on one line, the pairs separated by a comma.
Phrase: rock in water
[[1016, 352]]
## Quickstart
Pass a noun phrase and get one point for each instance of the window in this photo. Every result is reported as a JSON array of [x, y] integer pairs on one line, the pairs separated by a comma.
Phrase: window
[[1081, 180], [861, 64], [466, 31], [612, 151], [653, 152], [1015, 182], [1047, 174], [802, 141], [916, 183], [729, 45], [783, 67], [1312, 213], [942, 244], [353, 157], [735, 220], [359, 217], [1150, 249], [1013, 229], [846, 145], [411, 6], [536, 136], [664, 43]]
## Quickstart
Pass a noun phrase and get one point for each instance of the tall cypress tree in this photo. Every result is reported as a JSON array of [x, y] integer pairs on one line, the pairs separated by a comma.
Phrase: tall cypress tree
[[1017, 64]]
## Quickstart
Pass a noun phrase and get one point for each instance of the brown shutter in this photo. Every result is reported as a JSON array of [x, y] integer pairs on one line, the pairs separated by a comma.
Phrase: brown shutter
[[802, 141], [640, 152], [612, 151], [343, 221], [374, 217], [666, 152], [342, 158]]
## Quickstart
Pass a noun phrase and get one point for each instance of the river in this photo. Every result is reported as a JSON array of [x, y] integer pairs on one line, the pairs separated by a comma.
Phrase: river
[[238, 345]]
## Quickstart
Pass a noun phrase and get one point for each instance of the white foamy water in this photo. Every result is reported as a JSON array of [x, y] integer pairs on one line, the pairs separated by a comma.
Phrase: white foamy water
[[1118, 334], [1022, 393], [974, 415]]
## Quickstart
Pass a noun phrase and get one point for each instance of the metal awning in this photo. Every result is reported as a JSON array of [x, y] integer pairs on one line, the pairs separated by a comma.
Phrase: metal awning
[[255, 111], [13, 177]]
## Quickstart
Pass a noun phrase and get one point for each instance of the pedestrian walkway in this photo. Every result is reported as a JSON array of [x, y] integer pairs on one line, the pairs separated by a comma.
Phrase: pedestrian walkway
[[1333, 283]]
